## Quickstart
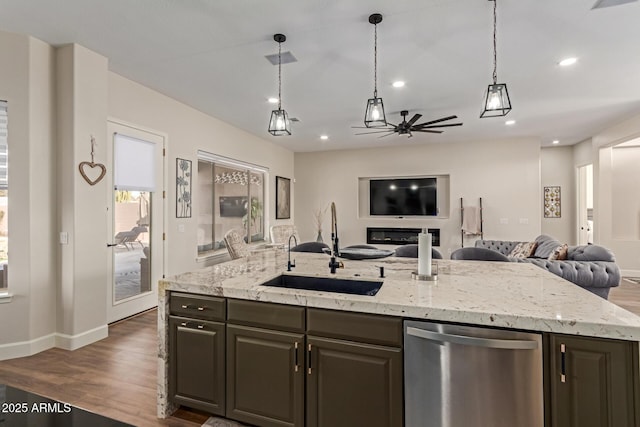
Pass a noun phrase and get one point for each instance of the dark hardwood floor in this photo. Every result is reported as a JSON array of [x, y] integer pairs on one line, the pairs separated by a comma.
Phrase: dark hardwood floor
[[115, 377]]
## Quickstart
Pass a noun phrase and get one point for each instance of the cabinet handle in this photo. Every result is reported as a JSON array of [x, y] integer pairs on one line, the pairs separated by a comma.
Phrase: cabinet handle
[[183, 324], [309, 360], [563, 363], [295, 357], [201, 308], [200, 326], [185, 306]]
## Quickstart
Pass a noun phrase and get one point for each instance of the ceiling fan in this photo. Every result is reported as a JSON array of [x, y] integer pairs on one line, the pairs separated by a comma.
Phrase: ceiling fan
[[407, 127]]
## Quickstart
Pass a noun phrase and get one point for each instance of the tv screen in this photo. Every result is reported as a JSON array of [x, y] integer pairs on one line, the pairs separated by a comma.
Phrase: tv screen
[[233, 206], [403, 196]]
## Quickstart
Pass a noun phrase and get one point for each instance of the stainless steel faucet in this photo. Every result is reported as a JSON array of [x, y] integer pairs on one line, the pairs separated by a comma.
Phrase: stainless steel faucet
[[290, 264]]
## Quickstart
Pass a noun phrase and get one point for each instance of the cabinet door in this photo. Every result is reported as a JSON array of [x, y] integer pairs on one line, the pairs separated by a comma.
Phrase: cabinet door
[[265, 376], [592, 382], [352, 384], [196, 364]]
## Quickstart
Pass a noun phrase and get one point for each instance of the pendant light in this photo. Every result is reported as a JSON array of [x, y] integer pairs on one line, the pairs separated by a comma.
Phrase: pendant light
[[496, 100], [279, 123], [374, 114]]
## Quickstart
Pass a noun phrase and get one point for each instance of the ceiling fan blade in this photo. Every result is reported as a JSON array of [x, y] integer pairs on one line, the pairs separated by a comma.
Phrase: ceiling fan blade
[[364, 127], [390, 133], [376, 131], [428, 130], [414, 119], [440, 126], [444, 119]]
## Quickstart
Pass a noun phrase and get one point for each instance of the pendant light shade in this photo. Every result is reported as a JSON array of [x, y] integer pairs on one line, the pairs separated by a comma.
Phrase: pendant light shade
[[374, 114], [279, 123], [497, 103], [496, 99]]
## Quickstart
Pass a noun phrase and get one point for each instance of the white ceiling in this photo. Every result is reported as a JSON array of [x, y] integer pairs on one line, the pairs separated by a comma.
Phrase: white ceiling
[[211, 55]]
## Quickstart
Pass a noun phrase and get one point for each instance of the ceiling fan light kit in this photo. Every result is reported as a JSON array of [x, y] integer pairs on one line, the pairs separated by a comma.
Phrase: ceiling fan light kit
[[496, 99], [374, 114], [279, 123]]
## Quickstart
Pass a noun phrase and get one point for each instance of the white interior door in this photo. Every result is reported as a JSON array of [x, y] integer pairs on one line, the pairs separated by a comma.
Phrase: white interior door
[[585, 204], [136, 225]]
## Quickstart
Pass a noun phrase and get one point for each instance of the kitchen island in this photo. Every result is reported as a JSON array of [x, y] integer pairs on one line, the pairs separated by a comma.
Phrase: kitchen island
[[505, 295]]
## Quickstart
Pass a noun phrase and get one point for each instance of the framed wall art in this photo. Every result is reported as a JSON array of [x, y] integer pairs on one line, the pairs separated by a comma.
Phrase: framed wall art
[[283, 198], [183, 188], [552, 206]]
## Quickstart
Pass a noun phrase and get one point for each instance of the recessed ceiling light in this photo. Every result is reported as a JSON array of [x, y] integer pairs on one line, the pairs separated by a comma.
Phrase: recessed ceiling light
[[510, 122], [273, 100], [567, 61], [324, 137], [555, 141], [399, 83]]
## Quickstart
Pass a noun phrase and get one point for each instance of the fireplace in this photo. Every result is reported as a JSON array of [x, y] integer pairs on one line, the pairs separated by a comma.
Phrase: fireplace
[[399, 236]]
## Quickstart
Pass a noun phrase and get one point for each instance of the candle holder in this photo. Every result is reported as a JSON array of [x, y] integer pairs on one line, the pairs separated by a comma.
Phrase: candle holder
[[426, 277]]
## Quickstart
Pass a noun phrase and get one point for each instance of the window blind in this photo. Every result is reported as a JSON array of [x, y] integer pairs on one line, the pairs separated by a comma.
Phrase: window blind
[[134, 164]]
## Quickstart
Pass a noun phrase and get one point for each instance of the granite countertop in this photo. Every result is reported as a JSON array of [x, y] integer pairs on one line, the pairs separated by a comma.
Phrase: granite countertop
[[510, 295]]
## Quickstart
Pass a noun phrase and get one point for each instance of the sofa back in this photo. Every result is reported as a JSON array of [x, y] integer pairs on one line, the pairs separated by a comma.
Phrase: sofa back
[[503, 246], [590, 253]]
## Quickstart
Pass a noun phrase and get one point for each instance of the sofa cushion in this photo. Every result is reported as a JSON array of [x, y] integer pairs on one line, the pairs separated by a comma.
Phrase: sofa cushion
[[546, 246], [523, 250], [559, 253], [590, 253]]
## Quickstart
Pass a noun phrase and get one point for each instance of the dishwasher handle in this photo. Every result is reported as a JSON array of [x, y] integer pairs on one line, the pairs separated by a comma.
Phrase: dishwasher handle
[[473, 341]]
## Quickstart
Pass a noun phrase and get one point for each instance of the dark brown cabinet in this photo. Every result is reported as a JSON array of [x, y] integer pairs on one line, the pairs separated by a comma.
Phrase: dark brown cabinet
[[265, 364], [592, 382], [354, 370], [197, 352]]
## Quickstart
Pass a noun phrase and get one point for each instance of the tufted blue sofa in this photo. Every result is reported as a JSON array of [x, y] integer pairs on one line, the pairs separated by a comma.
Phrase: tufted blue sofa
[[592, 267]]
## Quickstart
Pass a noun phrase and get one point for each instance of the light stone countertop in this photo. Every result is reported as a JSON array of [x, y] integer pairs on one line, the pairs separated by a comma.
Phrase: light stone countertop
[[510, 295], [499, 294]]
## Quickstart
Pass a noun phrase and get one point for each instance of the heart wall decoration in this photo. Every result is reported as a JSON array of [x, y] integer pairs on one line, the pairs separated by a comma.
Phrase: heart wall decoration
[[83, 171], [88, 167]]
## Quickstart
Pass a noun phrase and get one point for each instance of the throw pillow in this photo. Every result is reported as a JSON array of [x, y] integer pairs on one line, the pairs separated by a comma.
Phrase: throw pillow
[[546, 246], [559, 253], [523, 250]]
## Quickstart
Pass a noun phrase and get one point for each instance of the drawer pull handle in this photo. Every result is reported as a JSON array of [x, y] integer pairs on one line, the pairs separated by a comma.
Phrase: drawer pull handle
[[201, 308], [183, 324], [200, 326], [563, 362], [185, 306]]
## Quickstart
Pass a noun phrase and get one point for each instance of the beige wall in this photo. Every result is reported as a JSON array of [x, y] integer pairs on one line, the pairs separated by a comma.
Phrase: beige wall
[[506, 174], [27, 323], [188, 131], [557, 170]]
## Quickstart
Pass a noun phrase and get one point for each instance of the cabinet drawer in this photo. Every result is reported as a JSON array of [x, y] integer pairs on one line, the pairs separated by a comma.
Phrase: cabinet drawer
[[362, 327], [266, 315], [197, 306]]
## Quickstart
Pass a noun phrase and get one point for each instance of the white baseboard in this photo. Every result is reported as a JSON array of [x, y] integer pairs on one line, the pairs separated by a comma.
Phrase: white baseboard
[[73, 342], [630, 273], [64, 341]]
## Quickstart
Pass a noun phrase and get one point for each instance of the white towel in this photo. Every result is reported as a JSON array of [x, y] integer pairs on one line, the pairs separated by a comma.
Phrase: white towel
[[471, 220]]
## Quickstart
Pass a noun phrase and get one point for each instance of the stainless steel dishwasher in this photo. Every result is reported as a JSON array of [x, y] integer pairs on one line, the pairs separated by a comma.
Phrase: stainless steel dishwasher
[[462, 376]]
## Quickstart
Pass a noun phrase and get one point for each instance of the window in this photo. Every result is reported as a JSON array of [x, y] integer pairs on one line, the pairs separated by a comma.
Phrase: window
[[231, 196], [4, 197]]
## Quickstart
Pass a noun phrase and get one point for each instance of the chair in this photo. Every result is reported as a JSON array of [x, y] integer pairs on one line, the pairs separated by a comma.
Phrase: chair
[[126, 238], [280, 234], [315, 247], [478, 254], [236, 246], [411, 251]]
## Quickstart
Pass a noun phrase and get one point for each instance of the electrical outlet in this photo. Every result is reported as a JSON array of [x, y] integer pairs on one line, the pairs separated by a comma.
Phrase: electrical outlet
[[181, 228], [64, 238], [524, 221], [504, 221]]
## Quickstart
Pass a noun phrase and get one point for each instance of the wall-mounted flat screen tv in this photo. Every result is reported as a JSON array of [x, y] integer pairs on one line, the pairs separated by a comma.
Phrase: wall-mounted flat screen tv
[[403, 197], [233, 206]]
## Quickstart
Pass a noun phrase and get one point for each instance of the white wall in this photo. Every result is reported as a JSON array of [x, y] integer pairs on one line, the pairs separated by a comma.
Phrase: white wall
[[557, 170], [188, 131], [625, 195], [27, 323], [506, 174], [626, 250]]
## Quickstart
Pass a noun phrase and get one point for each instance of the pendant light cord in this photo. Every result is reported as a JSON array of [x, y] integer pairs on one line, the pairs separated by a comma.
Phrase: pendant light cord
[[495, 49], [375, 61], [280, 76]]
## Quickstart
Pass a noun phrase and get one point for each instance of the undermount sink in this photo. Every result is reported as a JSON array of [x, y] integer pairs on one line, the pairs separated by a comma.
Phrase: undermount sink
[[325, 284]]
